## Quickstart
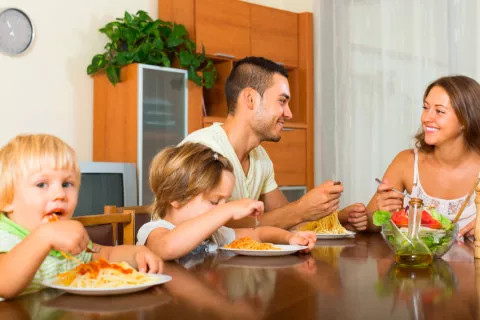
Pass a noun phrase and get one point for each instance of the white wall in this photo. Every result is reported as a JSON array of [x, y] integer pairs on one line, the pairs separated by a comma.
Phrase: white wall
[[47, 89]]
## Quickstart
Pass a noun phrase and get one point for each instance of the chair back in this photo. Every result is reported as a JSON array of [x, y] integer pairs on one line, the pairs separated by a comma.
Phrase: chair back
[[102, 228], [142, 215]]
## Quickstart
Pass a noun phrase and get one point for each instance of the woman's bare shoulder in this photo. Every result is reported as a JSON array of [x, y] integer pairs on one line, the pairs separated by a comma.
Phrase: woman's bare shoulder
[[404, 158]]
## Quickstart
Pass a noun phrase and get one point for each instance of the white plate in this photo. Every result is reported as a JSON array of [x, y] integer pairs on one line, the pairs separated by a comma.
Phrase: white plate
[[284, 250], [161, 278], [321, 236]]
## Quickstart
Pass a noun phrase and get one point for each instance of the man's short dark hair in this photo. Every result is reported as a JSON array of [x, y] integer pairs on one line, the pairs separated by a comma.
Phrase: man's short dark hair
[[250, 72]]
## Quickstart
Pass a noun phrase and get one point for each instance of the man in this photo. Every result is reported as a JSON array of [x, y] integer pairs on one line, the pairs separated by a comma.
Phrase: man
[[258, 93]]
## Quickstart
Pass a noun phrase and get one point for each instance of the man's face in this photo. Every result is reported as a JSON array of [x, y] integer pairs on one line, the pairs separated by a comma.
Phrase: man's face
[[272, 110]]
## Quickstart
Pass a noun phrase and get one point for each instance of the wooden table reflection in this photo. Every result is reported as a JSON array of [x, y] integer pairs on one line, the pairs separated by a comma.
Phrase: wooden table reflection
[[341, 279]]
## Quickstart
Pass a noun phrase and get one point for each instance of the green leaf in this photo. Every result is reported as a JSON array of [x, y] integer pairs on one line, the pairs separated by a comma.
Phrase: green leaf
[[185, 58], [151, 26], [209, 78], [143, 16], [99, 61], [173, 42], [166, 61], [128, 17], [129, 35], [179, 31], [158, 44], [113, 74], [91, 69], [124, 58], [165, 31], [192, 75], [444, 221], [190, 45], [381, 217]]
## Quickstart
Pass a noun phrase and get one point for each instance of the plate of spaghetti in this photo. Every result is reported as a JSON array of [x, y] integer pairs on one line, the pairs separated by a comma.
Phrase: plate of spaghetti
[[101, 278], [328, 228], [248, 247]]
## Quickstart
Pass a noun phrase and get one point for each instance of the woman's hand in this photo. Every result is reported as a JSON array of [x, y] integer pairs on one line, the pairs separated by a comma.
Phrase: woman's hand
[[388, 200], [468, 230]]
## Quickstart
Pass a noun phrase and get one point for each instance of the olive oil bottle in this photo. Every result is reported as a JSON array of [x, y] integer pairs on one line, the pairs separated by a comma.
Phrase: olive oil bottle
[[414, 252]]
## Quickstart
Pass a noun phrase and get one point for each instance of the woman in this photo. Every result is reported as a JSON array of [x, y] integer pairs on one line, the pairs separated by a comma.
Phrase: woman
[[446, 161]]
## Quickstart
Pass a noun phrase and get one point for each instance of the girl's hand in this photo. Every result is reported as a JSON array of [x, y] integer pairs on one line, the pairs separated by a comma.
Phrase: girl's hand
[[148, 261], [304, 238], [245, 207], [65, 235], [388, 200]]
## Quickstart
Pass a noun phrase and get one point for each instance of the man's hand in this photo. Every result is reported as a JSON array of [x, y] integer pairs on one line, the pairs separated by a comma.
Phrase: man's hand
[[320, 201], [354, 217]]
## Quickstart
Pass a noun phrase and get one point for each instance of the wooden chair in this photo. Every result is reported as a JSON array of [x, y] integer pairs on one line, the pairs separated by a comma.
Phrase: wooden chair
[[102, 228], [142, 215]]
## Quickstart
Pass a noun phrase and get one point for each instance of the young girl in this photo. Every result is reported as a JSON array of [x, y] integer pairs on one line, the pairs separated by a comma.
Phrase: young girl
[[191, 184], [40, 177]]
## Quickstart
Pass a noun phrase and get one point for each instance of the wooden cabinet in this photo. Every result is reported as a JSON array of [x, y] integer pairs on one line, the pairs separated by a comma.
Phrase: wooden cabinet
[[274, 34], [223, 27], [289, 157], [138, 117], [232, 30]]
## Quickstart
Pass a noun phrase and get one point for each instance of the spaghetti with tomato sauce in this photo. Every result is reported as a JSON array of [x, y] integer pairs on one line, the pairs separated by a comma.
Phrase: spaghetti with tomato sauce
[[103, 274], [247, 243]]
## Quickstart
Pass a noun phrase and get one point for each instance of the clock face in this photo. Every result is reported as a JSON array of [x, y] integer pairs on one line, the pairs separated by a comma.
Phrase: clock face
[[16, 31]]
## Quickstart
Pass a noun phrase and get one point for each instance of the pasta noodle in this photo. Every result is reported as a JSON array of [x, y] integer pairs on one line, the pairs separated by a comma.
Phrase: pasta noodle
[[102, 274], [249, 244], [328, 225]]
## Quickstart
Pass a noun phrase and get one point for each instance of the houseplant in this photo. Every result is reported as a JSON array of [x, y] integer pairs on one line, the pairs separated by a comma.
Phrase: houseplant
[[137, 38]]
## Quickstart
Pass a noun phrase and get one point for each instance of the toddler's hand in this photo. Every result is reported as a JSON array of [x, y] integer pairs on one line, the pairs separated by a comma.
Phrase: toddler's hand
[[148, 261], [66, 235], [245, 207], [304, 238]]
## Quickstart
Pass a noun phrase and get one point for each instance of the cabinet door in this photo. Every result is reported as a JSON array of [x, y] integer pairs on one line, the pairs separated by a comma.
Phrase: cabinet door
[[223, 27], [274, 34], [162, 112], [289, 157]]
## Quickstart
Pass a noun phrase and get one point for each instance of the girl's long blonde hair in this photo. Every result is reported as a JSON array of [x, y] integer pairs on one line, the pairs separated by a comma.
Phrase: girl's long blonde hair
[[181, 173]]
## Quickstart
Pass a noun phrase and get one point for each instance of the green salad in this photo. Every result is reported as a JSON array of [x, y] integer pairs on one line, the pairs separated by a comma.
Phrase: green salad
[[437, 234]]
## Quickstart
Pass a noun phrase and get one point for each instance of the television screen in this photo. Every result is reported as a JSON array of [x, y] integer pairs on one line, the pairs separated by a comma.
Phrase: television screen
[[98, 190]]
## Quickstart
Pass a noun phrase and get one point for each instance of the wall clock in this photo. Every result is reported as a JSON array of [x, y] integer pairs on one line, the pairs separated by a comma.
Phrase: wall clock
[[16, 31]]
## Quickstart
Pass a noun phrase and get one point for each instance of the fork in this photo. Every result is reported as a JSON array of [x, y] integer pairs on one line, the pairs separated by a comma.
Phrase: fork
[[93, 250], [393, 189]]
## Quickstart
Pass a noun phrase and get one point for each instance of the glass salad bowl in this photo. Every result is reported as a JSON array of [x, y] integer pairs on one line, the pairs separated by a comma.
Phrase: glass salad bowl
[[439, 241], [436, 231]]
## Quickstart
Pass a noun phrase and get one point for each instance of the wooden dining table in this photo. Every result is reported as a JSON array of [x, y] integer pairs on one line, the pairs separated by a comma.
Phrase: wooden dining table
[[353, 278]]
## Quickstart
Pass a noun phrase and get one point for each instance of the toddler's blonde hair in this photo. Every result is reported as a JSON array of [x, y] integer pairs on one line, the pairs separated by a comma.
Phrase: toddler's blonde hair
[[25, 155]]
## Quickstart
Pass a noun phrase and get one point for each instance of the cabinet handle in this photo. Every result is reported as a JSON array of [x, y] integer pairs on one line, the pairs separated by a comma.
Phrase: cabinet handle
[[224, 55], [288, 129]]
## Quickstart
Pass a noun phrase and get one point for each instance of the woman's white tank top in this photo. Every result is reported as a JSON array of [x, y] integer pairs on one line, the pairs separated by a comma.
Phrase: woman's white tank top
[[448, 208]]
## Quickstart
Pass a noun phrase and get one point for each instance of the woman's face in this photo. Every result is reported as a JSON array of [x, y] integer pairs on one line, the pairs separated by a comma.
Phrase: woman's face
[[439, 121]]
